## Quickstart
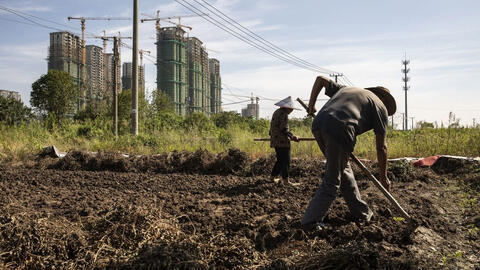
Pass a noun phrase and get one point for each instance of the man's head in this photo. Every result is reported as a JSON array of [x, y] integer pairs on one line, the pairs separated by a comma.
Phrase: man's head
[[384, 95]]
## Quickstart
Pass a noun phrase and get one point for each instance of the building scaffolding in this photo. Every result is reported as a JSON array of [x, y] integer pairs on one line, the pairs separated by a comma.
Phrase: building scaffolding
[[95, 74], [65, 54], [172, 66], [215, 86]]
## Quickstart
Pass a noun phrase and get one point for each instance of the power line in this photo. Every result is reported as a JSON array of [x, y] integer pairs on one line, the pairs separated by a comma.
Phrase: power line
[[39, 18], [246, 40], [30, 20], [255, 36], [12, 20], [232, 103], [347, 79]]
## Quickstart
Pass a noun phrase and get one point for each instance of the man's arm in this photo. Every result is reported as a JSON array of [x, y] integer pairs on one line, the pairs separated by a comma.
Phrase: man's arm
[[382, 160], [320, 83]]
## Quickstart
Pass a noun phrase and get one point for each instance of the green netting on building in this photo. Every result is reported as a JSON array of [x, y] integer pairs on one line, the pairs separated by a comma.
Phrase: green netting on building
[[172, 72]]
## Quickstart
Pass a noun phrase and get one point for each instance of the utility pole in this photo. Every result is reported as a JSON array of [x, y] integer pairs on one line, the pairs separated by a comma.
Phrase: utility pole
[[403, 121], [141, 72], [474, 123], [412, 121], [105, 70], [392, 121], [115, 75], [336, 75], [135, 70], [257, 109], [405, 79]]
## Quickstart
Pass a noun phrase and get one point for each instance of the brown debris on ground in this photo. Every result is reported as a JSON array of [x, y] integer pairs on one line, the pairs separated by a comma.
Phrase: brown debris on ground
[[233, 161], [199, 210]]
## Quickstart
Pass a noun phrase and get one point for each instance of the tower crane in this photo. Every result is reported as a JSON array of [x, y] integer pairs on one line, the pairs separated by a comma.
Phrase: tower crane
[[157, 19], [141, 55], [82, 24]]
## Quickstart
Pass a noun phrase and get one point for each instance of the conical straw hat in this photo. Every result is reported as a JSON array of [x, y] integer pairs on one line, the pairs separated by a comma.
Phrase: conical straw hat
[[286, 103]]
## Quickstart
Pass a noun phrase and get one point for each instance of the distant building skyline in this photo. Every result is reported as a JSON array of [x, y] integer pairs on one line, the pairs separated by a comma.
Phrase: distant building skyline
[[127, 79], [10, 94], [95, 73], [252, 110]]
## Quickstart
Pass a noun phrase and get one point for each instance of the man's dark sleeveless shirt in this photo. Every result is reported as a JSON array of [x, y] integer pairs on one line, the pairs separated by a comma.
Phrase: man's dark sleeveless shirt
[[350, 112]]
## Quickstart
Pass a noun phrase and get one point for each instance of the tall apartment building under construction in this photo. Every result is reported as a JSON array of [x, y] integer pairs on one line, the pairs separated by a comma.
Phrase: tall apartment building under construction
[[65, 54], [215, 86], [198, 76], [183, 72], [109, 80], [95, 74], [127, 79], [172, 66]]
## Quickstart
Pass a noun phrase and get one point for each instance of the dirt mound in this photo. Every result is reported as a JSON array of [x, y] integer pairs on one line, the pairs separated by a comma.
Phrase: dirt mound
[[103, 161], [447, 164], [233, 161]]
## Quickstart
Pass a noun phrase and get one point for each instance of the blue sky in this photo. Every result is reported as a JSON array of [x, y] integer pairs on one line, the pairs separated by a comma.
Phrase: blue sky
[[366, 40]]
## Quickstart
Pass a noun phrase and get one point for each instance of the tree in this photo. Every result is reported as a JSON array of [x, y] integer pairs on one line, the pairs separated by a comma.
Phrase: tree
[[13, 111], [124, 100], [161, 102], [54, 94]]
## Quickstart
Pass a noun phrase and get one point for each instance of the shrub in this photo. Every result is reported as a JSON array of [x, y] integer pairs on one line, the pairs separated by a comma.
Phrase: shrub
[[13, 111]]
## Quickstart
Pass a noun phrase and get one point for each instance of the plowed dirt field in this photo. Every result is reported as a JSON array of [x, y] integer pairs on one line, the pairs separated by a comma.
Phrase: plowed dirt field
[[204, 211]]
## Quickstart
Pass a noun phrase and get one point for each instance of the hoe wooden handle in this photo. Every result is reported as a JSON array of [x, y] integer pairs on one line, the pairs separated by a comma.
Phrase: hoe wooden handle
[[379, 186], [268, 139]]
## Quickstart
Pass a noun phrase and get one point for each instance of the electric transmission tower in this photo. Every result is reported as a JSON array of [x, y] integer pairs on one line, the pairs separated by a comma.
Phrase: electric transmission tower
[[405, 79]]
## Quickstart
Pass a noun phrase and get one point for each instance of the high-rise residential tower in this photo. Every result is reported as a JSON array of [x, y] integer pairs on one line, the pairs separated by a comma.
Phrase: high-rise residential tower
[[215, 86], [65, 54], [95, 73], [172, 66]]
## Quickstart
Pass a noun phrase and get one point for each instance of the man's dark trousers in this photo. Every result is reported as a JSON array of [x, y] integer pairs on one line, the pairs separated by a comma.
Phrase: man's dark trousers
[[338, 175]]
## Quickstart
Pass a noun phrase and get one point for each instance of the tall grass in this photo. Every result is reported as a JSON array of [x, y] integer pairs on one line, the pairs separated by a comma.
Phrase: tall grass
[[21, 142]]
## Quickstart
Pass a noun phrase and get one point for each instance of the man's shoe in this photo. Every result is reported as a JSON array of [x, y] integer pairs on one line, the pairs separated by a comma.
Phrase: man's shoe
[[273, 179], [287, 182]]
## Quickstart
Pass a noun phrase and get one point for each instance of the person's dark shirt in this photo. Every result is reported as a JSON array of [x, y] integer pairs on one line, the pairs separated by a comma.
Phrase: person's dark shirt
[[350, 112], [280, 134]]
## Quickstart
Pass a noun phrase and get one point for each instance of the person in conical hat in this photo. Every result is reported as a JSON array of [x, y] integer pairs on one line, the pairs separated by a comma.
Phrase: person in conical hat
[[280, 137], [350, 112]]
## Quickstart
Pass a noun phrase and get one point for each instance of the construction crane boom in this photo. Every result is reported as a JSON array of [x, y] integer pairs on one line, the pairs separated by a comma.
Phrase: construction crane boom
[[99, 18], [168, 18], [157, 19], [180, 25]]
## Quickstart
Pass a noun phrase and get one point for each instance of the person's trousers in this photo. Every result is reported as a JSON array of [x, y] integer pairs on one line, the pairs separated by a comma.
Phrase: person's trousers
[[338, 174], [283, 162]]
